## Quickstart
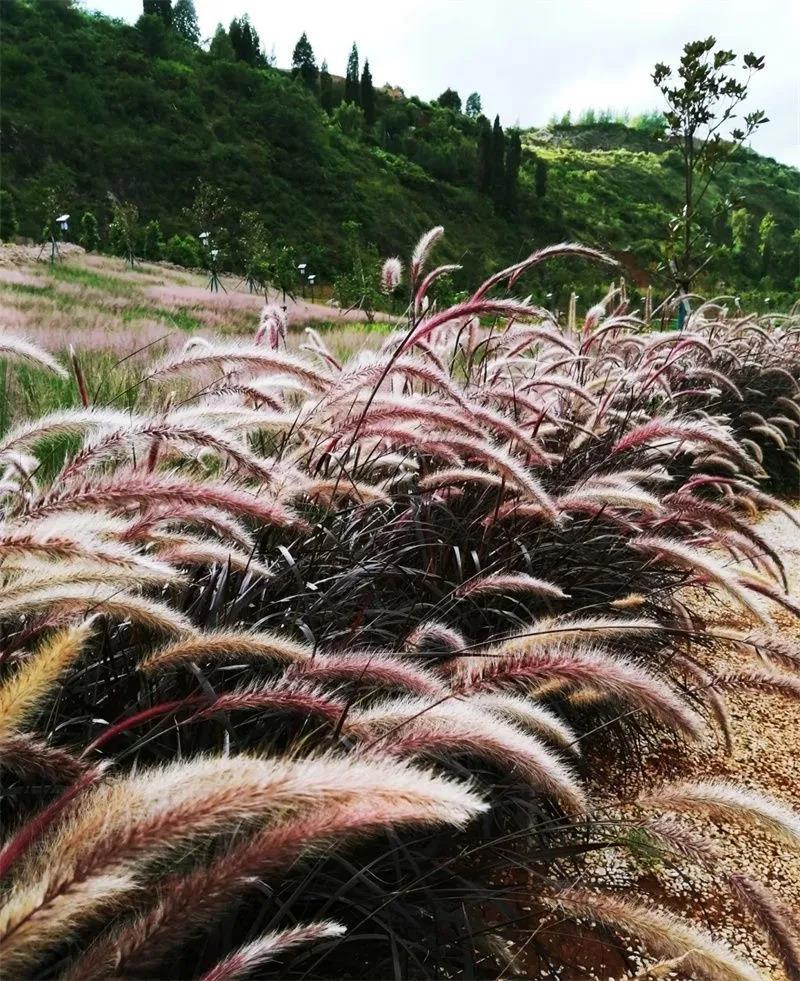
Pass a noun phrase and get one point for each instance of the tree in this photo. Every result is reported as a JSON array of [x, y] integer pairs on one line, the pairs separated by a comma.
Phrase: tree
[[367, 95], [183, 250], [184, 21], [540, 177], [699, 109], [89, 236], [9, 225], [158, 8], [361, 285], [304, 66], [351, 79], [766, 235], [255, 252], [473, 107], [283, 270], [326, 88], [498, 156], [153, 242], [123, 231], [450, 99], [245, 41], [221, 49], [511, 176], [485, 169]]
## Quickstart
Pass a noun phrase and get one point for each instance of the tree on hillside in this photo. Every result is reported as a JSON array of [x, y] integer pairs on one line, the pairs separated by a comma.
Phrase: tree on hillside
[[498, 157], [154, 246], [511, 176], [540, 177], [766, 234], [485, 169], [450, 99], [473, 106], [89, 236], [158, 8], [123, 231], [221, 47], [351, 79], [326, 88], [367, 95], [8, 217], [184, 21], [304, 65], [699, 109], [245, 41]]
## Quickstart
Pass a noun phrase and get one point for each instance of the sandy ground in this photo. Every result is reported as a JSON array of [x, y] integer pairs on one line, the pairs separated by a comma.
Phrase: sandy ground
[[766, 757]]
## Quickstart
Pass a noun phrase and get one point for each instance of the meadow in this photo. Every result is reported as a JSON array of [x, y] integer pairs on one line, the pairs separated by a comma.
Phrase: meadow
[[440, 648]]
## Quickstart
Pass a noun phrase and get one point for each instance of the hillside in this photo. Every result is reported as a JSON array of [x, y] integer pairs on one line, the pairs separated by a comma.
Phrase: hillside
[[100, 110]]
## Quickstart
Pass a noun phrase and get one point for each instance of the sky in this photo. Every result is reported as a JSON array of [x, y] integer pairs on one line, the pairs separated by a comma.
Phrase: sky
[[532, 59]]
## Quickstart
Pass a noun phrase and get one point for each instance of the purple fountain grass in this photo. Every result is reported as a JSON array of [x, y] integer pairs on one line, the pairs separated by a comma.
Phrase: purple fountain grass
[[247, 958], [410, 727], [29, 758], [431, 634], [775, 921], [370, 669], [243, 356], [12, 346], [224, 645], [509, 583], [663, 934]]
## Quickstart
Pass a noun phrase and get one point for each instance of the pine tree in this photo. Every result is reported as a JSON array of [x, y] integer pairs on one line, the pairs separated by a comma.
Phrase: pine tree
[[8, 217], [89, 236], [498, 157], [540, 178], [158, 8], [513, 161], [367, 95], [473, 106], [351, 82], [326, 88], [221, 47], [245, 41], [184, 21], [304, 65], [485, 169]]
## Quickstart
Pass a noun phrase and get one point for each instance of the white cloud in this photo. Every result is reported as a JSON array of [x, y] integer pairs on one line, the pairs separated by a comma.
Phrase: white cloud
[[530, 59]]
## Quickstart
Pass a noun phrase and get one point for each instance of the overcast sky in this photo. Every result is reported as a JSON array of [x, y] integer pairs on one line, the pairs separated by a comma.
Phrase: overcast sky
[[530, 59]]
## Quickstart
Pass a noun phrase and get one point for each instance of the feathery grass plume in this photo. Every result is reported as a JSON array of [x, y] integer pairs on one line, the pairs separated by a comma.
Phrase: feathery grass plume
[[327, 492], [100, 853], [707, 689], [277, 697], [759, 679], [222, 525], [460, 475], [408, 727], [370, 669], [131, 488], [693, 559], [496, 669], [674, 838], [12, 346], [767, 911], [221, 646], [423, 249], [23, 692], [509, 583], [437, 637], [191, 550], [67, 422], [428, 281], [272, 325], [247, 958], [186, 902], [631, 497], [662, 933], [771, 647], [251, 357], [82, 599], [726, 801], [529, 715], [683, 431], [28, 757], [391, 274], [33, 575]]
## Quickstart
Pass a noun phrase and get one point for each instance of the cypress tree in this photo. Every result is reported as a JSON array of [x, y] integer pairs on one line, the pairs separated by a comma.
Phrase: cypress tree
[[304, 65], [367, 95], [513, 161], [184, 21], [498, 157], [484, 155], [158, 8], [245, 40], [351, 81], [326, 88], [540, 178]]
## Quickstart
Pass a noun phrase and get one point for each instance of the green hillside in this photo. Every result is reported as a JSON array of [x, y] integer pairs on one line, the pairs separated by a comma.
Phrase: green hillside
[[103, 111]]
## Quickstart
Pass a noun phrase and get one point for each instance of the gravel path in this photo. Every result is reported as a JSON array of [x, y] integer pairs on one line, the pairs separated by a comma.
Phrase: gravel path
[[766, 757]]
